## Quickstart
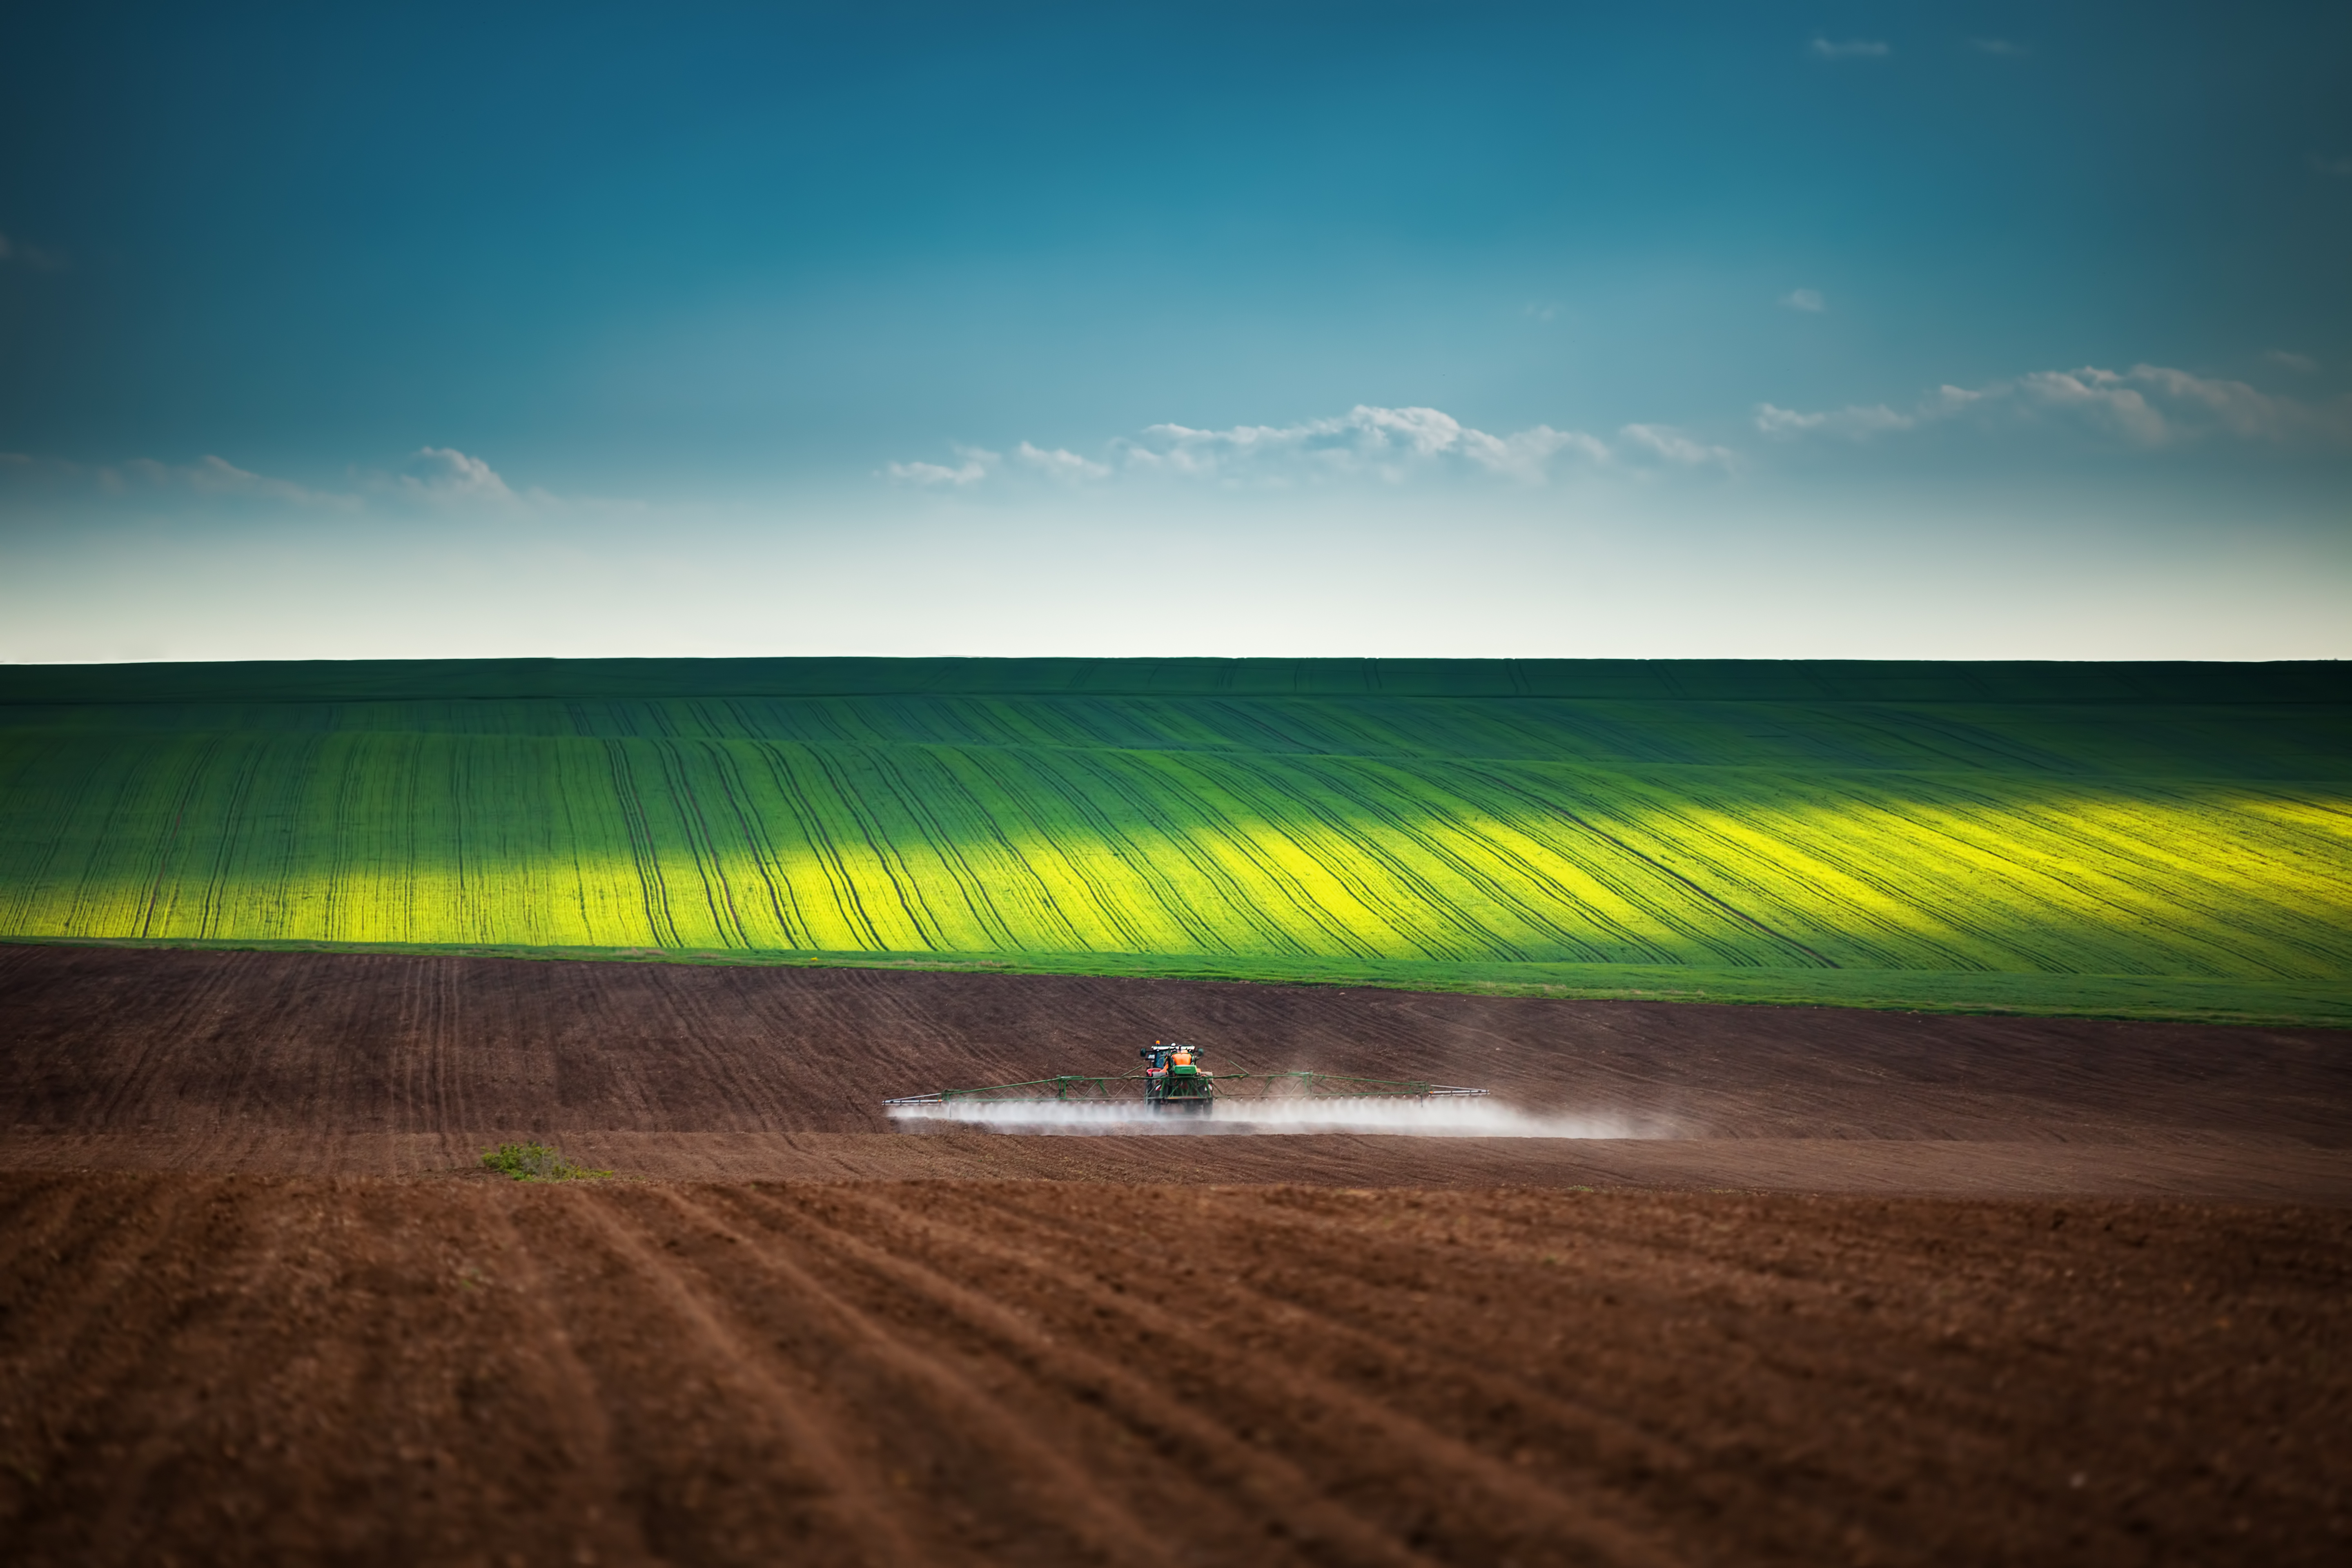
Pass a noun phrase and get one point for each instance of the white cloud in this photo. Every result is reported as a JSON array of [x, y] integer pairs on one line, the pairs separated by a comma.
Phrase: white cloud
[[1385, 445], [1854, 423], [1524, 455], [1997, 46], [443, 476], [1061, 464], [1809, 300], [975, 466], [1849, 49], [1674, 446], [2301, 365], [214, 477], [2100, 395], [445, 471], [2147, 405], [440, 477]]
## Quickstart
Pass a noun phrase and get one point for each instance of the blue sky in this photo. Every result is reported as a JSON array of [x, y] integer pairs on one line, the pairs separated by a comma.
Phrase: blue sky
[[1864, 330]]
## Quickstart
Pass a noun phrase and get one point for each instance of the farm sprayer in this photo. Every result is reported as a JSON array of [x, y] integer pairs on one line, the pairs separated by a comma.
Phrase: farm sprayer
[[1175, 1082]]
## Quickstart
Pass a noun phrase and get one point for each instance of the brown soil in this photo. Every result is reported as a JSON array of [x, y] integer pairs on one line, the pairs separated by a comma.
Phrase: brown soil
[[297, 1370], [333, 1064], [257, 1303]]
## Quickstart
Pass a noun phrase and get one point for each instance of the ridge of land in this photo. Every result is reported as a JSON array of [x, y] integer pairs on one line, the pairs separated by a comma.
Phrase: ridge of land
[[2131, 840]]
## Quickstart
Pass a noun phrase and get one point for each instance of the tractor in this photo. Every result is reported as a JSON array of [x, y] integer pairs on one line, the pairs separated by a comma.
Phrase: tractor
[[1175, 1082]]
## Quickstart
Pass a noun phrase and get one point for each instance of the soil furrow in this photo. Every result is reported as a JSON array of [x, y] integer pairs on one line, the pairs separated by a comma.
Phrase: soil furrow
[[725, 1399], [1203, 1450], [1406, 1455]]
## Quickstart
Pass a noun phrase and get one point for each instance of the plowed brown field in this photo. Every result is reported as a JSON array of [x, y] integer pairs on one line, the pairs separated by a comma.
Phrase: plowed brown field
[[257, 1305]]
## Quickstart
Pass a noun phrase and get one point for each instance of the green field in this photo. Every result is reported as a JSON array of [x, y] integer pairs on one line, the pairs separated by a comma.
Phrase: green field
[[2128, 839]]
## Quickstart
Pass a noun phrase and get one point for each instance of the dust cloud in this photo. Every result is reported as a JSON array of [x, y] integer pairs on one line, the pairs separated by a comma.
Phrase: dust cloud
[[1464, 1116]]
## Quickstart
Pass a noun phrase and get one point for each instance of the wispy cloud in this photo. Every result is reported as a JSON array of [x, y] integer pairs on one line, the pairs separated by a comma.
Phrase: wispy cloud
[[1809, 300], [1852, 422], [2301, 365], [216, 476], [208, 476], [2001, 47], [441, 477], [1849, 49], [975, 466], [1060, 464], [1386, 444], [1673, 445], [2147, 407], [1381, 445], [2334, 167]]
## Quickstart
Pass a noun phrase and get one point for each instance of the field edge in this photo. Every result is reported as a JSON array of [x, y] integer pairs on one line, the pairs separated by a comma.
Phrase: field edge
[[2293, 1004]]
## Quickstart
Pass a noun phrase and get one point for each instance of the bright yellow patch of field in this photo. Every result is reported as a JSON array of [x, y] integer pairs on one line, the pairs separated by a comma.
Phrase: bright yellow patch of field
[[1451, 832]]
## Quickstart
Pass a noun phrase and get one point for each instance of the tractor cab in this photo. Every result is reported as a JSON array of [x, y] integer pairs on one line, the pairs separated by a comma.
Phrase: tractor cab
[[1174, 1079]]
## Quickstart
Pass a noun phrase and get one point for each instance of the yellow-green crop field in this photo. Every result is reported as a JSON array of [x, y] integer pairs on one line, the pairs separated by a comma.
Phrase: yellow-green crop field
[[1724, 829]]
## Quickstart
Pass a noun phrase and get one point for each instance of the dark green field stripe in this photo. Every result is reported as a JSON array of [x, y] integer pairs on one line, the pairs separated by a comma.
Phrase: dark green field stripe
[[1259, 722], [821, 721], [63, 800], [2018, 754]]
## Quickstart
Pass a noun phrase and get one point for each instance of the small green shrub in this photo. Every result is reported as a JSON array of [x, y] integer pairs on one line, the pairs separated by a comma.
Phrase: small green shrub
[[536, 1162]]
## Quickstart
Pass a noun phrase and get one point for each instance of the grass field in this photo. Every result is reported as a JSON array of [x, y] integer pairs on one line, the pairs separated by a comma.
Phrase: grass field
[[2144, 840]]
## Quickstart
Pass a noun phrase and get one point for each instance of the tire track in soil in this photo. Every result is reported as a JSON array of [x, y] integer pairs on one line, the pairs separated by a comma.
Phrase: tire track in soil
[[1281, 1387], [828, 1505], [1368, 1270], [1055, 1495], [450, 1371], [1194, 1466]]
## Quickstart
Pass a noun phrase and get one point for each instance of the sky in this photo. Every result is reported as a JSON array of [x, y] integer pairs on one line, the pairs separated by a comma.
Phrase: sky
[[1680, 330]]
